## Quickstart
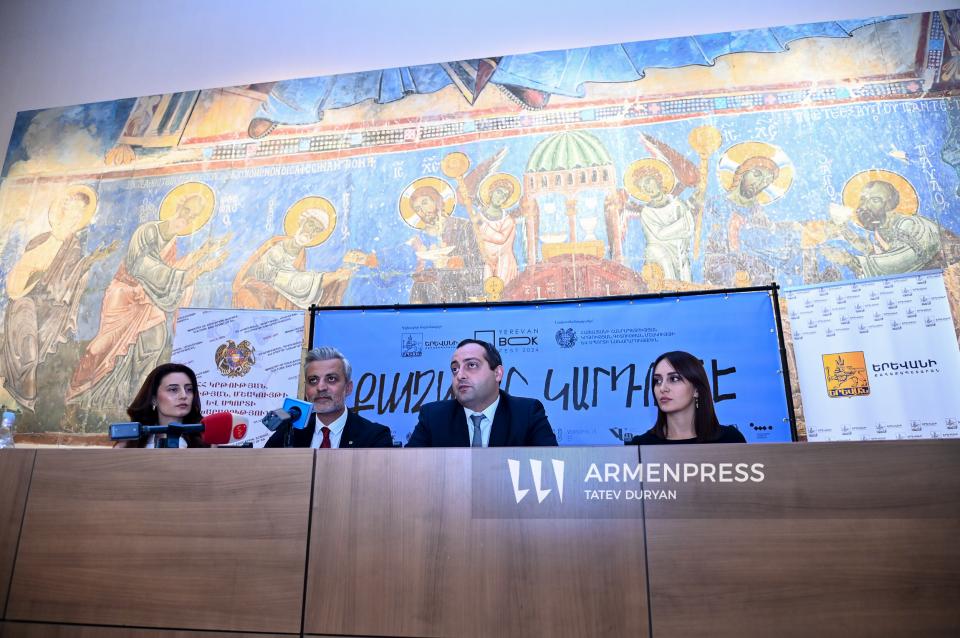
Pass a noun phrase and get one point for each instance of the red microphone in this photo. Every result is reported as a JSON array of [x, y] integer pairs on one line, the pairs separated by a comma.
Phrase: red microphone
[[223, 428]]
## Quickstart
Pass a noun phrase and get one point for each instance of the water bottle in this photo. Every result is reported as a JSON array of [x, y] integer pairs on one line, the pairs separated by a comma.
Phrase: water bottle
[[6, 429]]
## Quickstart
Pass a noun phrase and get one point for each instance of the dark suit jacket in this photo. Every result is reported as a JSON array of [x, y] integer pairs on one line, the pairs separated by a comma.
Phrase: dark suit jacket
[[518, 422], [358, 432]]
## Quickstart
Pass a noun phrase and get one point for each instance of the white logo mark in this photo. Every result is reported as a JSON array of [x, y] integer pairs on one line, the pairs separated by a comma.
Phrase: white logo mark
[[536, 469]]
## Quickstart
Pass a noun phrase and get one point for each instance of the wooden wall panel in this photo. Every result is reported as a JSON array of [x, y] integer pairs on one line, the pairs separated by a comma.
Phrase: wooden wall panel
[[405, 556], [842, 539], [15, 468], [192, 539], [42, 630]]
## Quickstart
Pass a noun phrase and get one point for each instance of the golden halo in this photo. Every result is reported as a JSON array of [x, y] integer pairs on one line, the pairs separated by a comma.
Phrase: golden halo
[[410, 216], [55, 216], [455, 164], [909, 202], [168, 207], [737, 154], [490, 180], [666, 176], [291, 220]]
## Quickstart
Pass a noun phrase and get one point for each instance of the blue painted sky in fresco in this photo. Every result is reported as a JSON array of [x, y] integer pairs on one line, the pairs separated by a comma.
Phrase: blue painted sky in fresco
[[102, 120]]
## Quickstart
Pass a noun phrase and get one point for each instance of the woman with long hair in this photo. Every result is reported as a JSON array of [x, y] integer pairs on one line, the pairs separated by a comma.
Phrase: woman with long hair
[[168, 395], [685, 412]]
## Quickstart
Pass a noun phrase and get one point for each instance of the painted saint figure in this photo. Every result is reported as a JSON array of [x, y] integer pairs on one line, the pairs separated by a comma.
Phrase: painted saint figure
[[497, 226], [667, 222], [899, 241], [749, 180], [276, 276], [44, 288], [449, 264], [758, 248], [150, 283]]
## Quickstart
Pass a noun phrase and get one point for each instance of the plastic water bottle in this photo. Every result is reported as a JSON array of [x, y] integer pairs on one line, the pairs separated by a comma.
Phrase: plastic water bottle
[[6, 429]]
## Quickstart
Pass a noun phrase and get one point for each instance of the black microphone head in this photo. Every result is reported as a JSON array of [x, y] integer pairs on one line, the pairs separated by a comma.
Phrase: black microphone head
[[124, 431], [274, 419], [295, 412]]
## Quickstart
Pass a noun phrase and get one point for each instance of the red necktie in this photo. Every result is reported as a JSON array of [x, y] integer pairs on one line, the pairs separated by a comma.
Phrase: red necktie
[[326, 437]]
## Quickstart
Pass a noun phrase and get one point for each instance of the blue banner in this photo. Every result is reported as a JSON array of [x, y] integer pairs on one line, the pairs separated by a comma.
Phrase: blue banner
[[589, 362]]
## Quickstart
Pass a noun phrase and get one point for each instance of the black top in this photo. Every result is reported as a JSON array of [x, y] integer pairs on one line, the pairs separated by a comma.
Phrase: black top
[[728, 434]]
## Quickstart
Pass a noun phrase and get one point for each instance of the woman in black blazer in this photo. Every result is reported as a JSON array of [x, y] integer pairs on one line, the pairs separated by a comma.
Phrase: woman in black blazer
[[685, 412], [168, 395]]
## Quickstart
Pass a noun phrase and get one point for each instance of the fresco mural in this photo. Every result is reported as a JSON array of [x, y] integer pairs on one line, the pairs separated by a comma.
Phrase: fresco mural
[[803, 154]]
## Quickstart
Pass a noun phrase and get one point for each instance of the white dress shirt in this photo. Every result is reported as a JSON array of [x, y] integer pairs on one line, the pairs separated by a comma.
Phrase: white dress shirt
[[486, 425], [336, 430]]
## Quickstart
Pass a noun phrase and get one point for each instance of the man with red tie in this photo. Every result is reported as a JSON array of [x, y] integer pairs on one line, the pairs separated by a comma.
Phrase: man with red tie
[[327, 374]]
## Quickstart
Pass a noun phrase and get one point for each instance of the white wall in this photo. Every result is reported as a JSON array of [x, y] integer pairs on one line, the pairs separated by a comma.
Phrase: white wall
[[63, 52]]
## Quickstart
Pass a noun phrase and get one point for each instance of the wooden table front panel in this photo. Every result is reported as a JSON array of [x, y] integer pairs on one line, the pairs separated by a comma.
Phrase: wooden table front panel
[[187, 539], [395, 551], [839, 539], [42, 630], [15, 469]]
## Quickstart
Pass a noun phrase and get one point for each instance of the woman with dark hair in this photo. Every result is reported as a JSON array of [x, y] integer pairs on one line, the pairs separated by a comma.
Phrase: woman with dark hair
[[685, 411], [168, 395]]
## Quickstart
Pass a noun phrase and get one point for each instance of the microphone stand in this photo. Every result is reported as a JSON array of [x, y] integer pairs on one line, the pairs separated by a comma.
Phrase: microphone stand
[[284, 424], [173, 432], [288, 424]]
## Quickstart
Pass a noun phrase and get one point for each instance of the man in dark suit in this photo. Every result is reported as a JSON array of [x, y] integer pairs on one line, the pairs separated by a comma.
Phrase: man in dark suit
[[328, 383], [482, 415]]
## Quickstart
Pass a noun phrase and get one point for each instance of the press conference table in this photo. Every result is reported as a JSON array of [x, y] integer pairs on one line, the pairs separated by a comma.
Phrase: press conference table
[[838, 539]]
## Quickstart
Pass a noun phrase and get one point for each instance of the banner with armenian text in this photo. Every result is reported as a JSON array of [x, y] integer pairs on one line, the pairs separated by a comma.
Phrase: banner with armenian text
[[247, 362], [877, 359], [589, 362]]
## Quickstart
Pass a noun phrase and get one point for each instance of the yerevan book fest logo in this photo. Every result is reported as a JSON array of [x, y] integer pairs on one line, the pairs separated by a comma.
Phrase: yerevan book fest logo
[[623, 481]]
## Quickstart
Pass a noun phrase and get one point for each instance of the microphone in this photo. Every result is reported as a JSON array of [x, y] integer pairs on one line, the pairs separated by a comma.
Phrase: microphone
[[219, 428], [292, 416], [276, 418], [125, 431], [132, 430], [224, 428], [294, 413], [168, 436]]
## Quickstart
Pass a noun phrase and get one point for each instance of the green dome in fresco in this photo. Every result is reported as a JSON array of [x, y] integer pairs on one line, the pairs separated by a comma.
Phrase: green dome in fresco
[[567, 150]]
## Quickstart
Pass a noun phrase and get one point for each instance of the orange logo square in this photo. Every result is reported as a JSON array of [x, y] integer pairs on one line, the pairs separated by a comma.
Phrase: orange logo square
[[846, 374]]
